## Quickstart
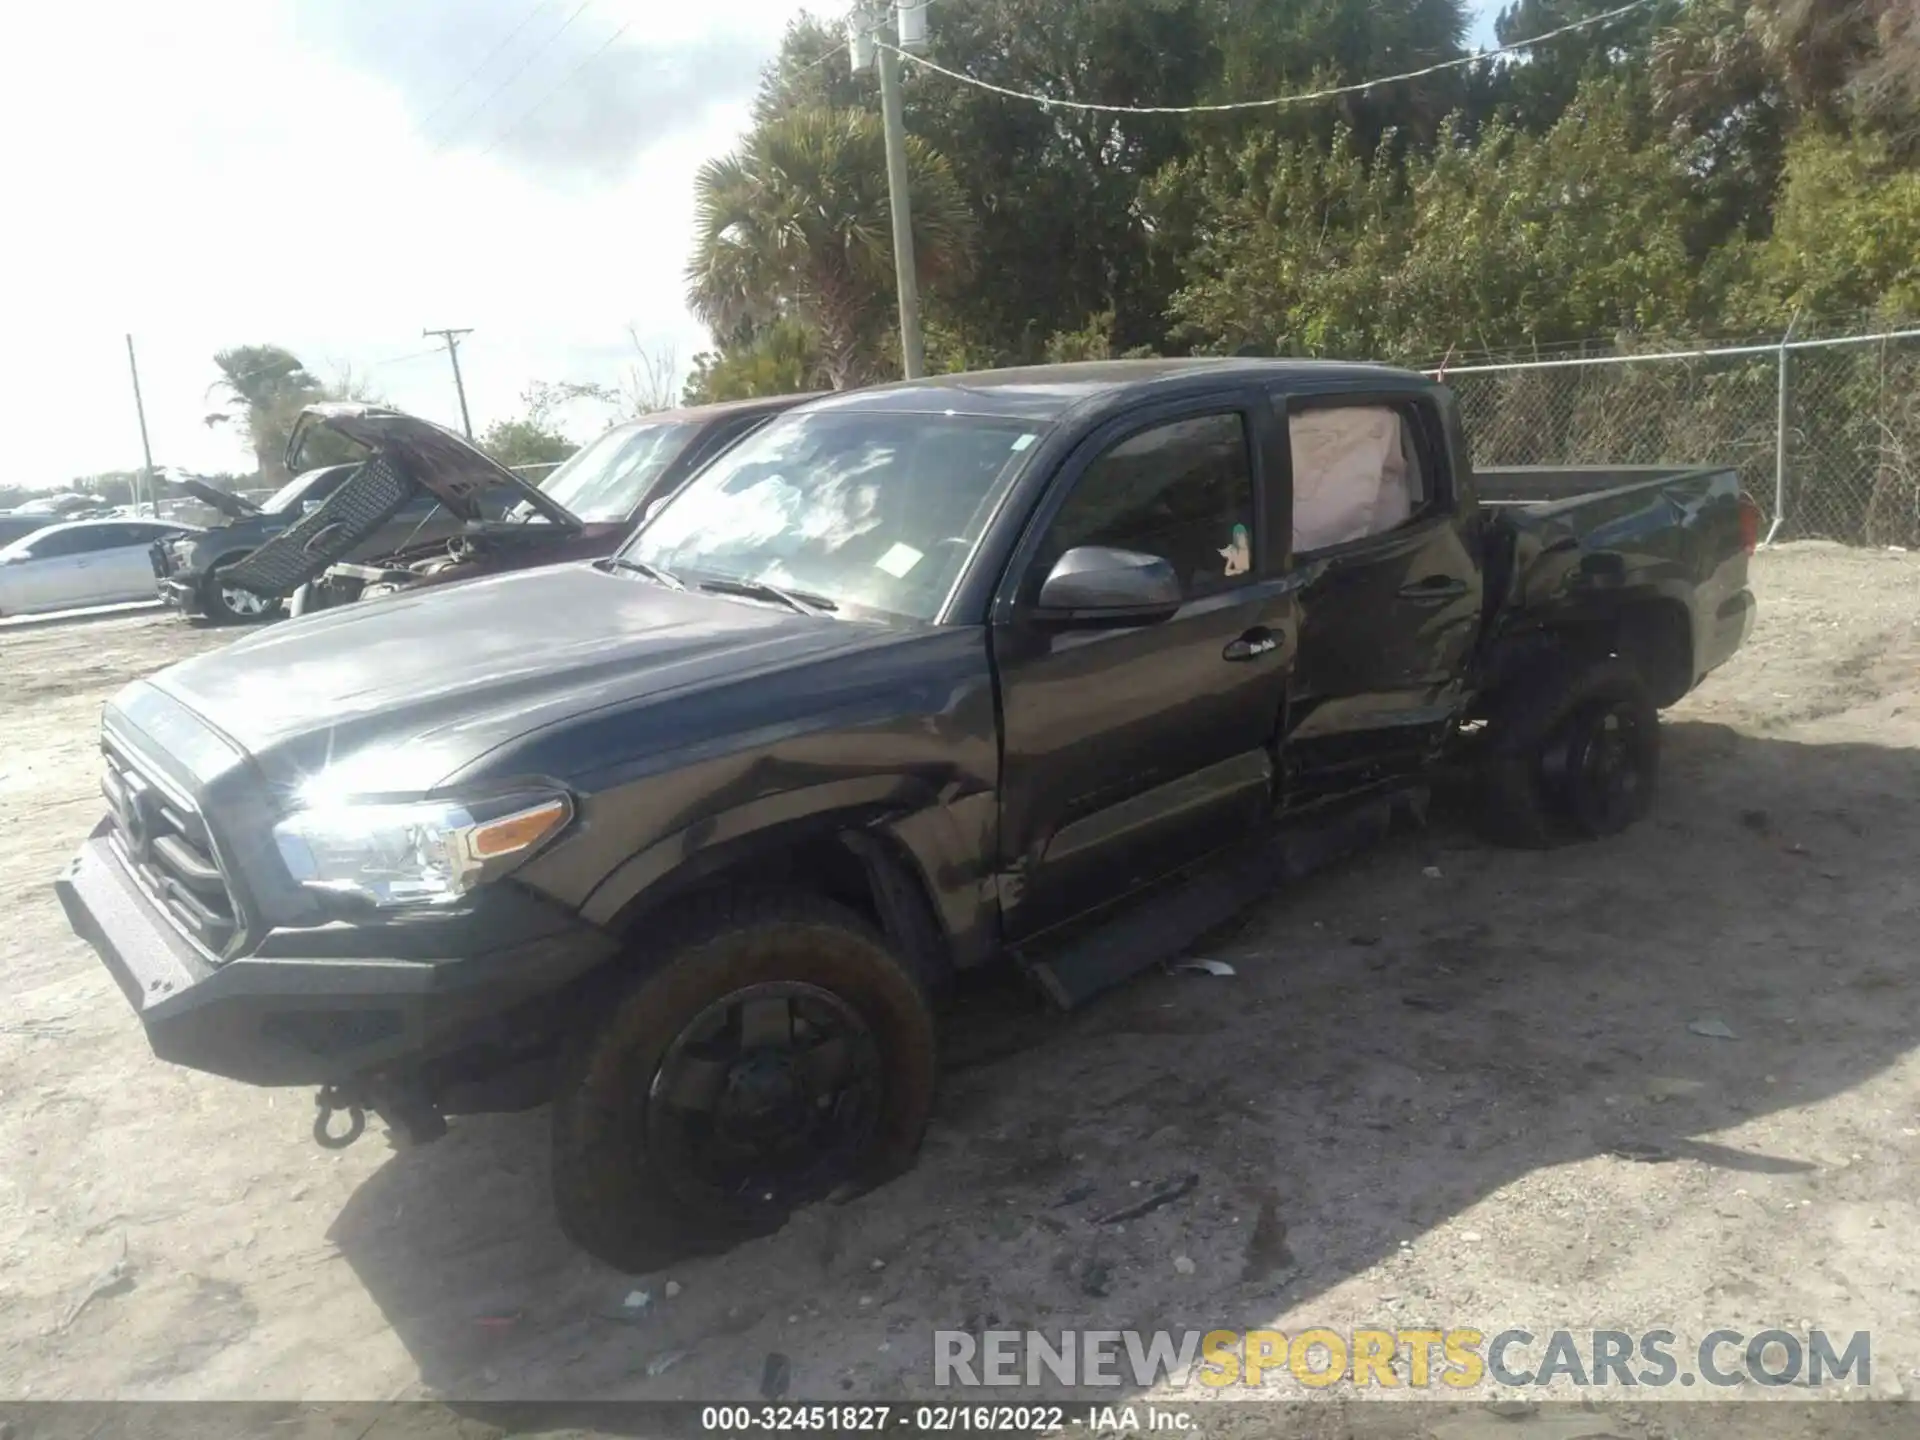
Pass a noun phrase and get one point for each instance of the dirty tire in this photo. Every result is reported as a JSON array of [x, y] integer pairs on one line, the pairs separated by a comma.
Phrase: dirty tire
[[219, 607], [620, 1190], [1522, 801]]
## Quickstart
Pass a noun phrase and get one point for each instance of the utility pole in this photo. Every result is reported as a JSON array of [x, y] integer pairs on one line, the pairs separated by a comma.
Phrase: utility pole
[[910, 32], [452, 337], [146, 449]]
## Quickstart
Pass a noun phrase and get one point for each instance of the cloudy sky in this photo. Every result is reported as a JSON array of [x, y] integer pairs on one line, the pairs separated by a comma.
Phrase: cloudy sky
[[336, 175]]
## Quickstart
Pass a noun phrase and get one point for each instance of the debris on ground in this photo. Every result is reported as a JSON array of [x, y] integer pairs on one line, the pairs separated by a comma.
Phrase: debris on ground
[[1757, 821], [672, 1288], [1074, 1196], [1179, 1189], [775, 1375], [1206, 967], [665, 1361], [1096, 1280], [116, 1279], [1432, 872], [1425, 1002], [1640, 1151], [1183, 1265], [1713, 1028]]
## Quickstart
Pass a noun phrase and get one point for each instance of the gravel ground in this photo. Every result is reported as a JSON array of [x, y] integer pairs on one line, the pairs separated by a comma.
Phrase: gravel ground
[[1402, 1110]]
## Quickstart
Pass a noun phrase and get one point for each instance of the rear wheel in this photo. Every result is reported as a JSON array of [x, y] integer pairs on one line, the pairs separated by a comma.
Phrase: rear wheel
[[776, 1052], [231, 604], [1574, 754]]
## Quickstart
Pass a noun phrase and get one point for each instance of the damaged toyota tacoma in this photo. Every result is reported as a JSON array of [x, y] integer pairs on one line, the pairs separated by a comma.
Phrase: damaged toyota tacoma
[[689, 841]]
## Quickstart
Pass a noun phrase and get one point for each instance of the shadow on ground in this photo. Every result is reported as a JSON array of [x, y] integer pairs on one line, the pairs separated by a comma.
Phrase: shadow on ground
[[1394, 1048]]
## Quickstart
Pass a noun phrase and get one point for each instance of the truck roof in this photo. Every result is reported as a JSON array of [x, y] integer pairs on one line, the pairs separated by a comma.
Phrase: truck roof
[[1046, 392]]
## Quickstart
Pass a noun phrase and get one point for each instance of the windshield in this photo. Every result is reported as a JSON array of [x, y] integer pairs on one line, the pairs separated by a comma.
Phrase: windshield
[[866, 509], [609, 478], [288, 495]]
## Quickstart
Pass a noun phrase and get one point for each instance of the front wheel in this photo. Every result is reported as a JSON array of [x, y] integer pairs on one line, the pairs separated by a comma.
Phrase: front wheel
[[776, 1051], [1575, 754], [230, 604]]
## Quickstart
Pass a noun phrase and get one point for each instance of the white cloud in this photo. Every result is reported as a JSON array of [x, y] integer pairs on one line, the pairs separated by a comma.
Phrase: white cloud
[[209, 175]]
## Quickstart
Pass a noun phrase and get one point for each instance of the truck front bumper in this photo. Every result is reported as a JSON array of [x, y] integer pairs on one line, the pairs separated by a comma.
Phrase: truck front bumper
[[308, 1014], [180, 594]]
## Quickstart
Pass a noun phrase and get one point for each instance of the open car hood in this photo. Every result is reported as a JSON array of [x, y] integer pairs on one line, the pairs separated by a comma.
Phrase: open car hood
[[405, 456], [234, 507], [456, 471]]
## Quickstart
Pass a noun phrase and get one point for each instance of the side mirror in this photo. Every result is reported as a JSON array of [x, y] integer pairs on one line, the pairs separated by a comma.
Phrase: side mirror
[[1094, 585]]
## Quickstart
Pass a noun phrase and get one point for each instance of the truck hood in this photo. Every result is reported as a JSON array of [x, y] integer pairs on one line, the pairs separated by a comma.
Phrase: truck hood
[[456, 471], [394, 695]]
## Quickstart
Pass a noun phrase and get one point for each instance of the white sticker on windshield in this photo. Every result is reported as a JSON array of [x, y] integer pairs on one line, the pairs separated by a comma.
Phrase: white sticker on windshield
[[1023, 442], [899, 560]]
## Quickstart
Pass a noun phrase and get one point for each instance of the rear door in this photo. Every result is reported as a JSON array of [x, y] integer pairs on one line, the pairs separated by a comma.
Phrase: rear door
[[1127, 753], [1390, 569]]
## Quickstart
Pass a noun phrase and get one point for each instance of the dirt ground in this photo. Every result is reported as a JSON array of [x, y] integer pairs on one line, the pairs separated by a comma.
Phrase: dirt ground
[[1402, 1110]]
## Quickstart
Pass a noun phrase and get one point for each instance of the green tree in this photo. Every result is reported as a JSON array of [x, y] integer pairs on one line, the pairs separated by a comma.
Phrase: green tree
[[525, 442], [265, 387], [1846, 236], [796, 223], [781, 359]]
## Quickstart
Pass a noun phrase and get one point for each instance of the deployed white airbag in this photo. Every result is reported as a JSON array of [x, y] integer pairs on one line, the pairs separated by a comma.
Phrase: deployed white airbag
[[1351, 478]]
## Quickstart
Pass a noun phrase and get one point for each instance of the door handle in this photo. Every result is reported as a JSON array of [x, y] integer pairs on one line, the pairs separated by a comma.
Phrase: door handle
[[1434, 587], [1251, 645]]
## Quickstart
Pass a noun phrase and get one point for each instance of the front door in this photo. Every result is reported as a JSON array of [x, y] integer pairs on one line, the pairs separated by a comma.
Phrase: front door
[[1129, 752], [1391, 591]]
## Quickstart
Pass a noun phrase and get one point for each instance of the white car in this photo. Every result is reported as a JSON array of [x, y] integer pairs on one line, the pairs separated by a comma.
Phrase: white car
[[82, 562]]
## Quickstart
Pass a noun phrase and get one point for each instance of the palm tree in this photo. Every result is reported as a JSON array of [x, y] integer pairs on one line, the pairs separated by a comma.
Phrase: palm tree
[[795, 224], [265, 387]]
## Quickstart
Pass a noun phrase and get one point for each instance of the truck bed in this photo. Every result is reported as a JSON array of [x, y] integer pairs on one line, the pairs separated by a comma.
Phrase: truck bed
[[1574, 544]]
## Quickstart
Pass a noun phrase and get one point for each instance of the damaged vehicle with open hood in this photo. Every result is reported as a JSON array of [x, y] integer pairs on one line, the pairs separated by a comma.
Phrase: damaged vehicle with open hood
[[583, 510], [194, 571]]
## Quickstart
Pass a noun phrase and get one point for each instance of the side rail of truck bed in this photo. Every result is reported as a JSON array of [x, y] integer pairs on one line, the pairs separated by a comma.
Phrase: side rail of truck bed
[[1550, 484]]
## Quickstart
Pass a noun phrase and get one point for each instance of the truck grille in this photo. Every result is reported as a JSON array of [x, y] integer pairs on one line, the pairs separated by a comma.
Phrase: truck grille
[[164, 841]]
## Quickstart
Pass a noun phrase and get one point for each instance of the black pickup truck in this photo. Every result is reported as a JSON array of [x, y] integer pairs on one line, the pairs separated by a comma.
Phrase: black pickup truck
[[689, 840]]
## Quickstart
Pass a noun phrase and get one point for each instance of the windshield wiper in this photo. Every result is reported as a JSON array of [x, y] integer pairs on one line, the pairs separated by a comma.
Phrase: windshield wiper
[[797, 601], [652, 572]]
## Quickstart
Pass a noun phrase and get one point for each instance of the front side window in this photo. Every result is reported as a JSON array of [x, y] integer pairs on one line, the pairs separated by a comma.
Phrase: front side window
[[53, 545], [1181, 491], [860, 508]]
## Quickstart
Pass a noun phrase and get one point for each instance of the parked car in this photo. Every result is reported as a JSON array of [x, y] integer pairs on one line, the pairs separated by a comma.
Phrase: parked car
[[595, 497], [72, 564], [688, 840], [195, 572]]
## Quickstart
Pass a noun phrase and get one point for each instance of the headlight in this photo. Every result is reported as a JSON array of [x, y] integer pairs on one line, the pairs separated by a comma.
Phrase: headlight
[[430, 853]]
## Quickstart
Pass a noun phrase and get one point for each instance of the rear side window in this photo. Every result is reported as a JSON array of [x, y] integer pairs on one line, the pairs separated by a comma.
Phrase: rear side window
[[1357, 473]]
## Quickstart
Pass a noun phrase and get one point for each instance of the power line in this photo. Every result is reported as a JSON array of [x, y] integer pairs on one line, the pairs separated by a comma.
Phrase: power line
[[495, 93], [1048, 102], [474, 74], [565, 80]]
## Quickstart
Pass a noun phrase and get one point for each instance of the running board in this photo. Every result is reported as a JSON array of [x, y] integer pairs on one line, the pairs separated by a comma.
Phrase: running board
[[1165, 925]]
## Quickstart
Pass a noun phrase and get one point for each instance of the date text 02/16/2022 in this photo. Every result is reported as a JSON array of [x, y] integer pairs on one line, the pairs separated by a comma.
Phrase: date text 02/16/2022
[[941, 1419]]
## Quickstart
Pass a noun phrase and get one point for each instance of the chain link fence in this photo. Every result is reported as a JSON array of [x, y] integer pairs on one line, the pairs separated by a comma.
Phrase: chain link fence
[[1825, 433]]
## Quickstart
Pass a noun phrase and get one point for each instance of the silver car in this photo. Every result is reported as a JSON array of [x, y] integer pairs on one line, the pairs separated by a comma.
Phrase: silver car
[[80, 563]]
